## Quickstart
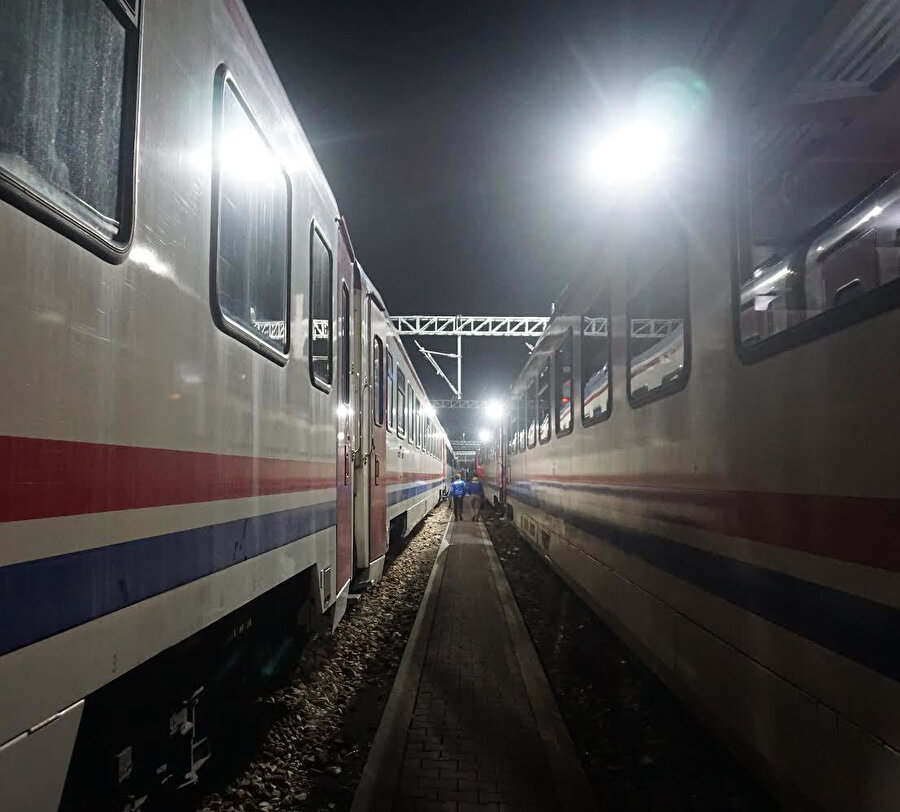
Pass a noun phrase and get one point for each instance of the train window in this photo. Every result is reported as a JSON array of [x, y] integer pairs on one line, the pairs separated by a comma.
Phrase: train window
[[595, 361], [251, 232], [401, 402], [530, 413], [522, 422], [543, 403], [345, 345], [390, 390], [320, 275], [428, 436], [67, 117], [378, 381], [411, 401], [658, 326], [563, 359], [819, 215], [511, 428], [418, 423]]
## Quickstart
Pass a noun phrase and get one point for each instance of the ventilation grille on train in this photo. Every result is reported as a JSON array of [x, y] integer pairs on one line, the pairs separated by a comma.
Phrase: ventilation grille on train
[[864, 52]]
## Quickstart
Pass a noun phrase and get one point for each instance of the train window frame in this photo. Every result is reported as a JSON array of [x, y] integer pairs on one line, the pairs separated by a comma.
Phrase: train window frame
[[531, 397], [322, 384], [401, 394], [546, 368], [225, 82], [678, 384], [568, 336], [877, 301], [378, 393], [22, 195]]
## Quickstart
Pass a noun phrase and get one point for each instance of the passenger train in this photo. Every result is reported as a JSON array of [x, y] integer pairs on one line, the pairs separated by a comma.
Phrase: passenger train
[[209, 430], [704, 441]]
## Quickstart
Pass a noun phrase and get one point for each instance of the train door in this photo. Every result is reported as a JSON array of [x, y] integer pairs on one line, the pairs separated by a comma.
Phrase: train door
[[346, 428], [378, 446]]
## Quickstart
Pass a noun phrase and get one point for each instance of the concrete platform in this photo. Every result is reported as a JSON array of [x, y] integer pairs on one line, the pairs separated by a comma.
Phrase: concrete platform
[[471, 723]]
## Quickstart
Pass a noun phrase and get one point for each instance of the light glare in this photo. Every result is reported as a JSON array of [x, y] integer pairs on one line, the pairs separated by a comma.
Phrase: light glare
[[483, 436], [634, 151]]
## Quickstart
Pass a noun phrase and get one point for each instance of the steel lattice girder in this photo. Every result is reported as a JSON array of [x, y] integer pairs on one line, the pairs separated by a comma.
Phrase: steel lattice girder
[[502, 326]]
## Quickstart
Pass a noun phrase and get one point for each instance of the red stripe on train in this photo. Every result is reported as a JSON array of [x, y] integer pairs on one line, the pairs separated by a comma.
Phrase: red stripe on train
[[860, 529], [44, 478]]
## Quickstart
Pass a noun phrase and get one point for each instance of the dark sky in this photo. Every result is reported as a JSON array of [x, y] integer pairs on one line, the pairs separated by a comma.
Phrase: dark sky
[[451, 134]]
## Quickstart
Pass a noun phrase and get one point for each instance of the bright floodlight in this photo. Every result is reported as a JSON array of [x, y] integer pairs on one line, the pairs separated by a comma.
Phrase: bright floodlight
[[483, 436], [493, 411], [632, 152]]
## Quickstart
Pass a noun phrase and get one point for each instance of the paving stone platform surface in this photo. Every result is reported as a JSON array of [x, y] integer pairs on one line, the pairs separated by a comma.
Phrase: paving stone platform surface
[[472, 741]]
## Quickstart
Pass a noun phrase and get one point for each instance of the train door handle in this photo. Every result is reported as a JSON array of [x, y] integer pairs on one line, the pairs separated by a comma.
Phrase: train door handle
[[346, 464], [377, 469]]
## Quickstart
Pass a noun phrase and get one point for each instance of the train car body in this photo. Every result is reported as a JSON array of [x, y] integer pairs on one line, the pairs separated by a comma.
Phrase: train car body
[[194, 455], [697, 443]]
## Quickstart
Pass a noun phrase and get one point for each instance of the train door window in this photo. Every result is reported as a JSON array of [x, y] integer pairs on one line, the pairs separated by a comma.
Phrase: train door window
[[401, 402], [378, 381], [428, 435], [819, 220], [543, 402], [531, 412], [411, 401], [345, 345], [320, 275], [251, 232], [511, 432], [595, 361], [658, 325], [67, 117], [563, 361], [390, 390]]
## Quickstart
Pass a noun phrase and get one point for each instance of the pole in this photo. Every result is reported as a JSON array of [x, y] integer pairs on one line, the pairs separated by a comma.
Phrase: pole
[[458, 366]]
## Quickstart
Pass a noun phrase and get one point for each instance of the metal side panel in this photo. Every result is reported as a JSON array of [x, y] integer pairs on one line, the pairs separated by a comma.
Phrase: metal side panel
[[33, 766]]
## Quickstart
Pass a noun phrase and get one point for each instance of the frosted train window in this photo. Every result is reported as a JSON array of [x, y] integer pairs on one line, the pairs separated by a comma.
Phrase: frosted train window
[[543, 402], [522, 421], [411, 421], [251, 224], [658, 348], [345, 345], [401, 402], [68, 73], [563, 376], [820, 225], [595, 361]]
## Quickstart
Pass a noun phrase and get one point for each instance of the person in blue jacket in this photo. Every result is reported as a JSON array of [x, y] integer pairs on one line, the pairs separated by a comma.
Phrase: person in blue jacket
[[457, 494], [475, 491]]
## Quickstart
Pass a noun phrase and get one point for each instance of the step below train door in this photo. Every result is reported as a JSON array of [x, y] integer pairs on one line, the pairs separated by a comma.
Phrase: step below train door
[[346, 424], [378, 445]]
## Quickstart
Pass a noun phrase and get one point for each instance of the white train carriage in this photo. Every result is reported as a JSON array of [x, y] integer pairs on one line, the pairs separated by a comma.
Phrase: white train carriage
[[193, 450], [699, 445]]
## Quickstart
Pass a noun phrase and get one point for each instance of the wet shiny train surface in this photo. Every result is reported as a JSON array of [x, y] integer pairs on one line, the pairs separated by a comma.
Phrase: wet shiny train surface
[[208, 428], [704, 442]]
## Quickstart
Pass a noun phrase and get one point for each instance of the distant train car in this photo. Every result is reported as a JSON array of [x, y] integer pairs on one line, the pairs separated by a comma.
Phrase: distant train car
[[704, 441], [208, 427]]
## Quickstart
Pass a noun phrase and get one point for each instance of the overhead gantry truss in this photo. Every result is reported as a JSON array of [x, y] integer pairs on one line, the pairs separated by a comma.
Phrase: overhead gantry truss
[[496, 326]]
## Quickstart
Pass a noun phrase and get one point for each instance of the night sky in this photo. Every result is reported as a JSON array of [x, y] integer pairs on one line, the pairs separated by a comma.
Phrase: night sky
[[453, 136]]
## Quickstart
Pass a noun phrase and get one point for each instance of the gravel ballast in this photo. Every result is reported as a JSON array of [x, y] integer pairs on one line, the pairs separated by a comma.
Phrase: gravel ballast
[[640, 747], [304, 746]]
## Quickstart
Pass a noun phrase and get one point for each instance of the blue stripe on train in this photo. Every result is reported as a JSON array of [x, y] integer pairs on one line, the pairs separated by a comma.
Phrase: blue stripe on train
[[406, 493], [857, 628], [49, 595]]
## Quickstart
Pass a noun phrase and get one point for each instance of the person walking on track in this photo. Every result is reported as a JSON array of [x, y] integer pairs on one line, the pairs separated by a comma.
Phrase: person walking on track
[[475, 491], [457, 494]]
